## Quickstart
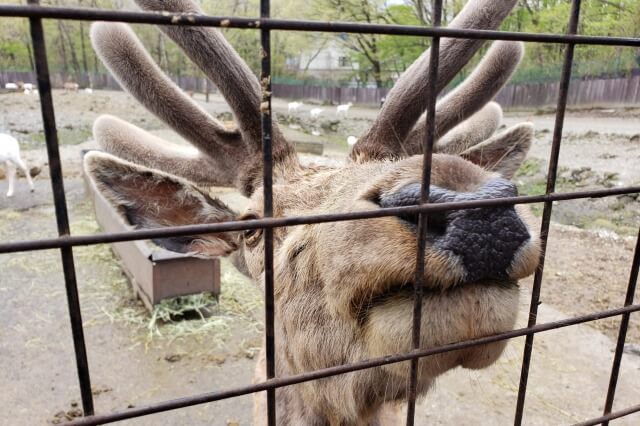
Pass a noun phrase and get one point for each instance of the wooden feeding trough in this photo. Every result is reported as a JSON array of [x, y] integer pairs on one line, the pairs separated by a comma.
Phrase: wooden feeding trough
[[154, 272]]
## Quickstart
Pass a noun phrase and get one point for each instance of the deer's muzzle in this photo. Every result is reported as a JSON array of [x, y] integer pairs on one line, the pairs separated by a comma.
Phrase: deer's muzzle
[[485, 240]]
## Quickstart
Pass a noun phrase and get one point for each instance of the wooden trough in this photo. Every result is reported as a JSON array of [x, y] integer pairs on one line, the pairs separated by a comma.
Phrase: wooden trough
[[154, 272]]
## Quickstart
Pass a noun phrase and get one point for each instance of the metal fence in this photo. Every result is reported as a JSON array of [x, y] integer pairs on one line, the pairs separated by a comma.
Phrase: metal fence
[[65, 242]]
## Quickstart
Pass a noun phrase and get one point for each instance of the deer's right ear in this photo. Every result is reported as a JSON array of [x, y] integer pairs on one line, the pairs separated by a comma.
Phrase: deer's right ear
[[148, 198]]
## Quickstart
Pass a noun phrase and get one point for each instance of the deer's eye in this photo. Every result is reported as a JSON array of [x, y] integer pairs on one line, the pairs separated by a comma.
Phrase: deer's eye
[[251, 236]]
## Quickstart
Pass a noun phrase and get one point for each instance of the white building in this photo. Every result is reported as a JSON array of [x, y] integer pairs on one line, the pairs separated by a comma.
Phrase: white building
[[330, 61]]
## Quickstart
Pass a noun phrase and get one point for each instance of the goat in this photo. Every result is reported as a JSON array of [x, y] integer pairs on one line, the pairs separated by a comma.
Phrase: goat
[[293, 107], [11, 86], [342, 289], [10, 156], [315, 112], [88, 90], [343, 109], [351, 140], [28, 86]]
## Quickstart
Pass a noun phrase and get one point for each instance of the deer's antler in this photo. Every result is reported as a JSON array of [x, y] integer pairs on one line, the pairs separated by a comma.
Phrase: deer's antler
[[406, 101], [486, 80], [232, 155], [479, 127], [503, 152]]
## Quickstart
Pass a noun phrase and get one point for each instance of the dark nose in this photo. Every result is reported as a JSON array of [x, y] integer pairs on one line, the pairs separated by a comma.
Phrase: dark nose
[[486, 240]]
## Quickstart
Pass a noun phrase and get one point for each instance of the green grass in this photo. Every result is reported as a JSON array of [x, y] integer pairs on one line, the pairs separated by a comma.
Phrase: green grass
[[66, 136]]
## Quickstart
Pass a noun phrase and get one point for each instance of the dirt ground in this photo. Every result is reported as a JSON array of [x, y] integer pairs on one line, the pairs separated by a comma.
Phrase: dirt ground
[[135, 361]]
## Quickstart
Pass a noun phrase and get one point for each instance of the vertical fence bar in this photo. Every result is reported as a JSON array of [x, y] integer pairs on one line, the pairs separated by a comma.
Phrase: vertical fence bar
[[622, 333], [421, 234], [265, 107], [546, 214], [62, 218]]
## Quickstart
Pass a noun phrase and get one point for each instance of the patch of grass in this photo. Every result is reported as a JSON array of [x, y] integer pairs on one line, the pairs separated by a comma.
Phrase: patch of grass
[[66, 136], [530, 167], [614, 225], [533, 187]]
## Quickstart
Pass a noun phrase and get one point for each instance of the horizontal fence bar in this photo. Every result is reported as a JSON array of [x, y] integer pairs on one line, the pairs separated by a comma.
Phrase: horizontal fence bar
[[165, 18], [175, 231], [610, 416], [342, 369]]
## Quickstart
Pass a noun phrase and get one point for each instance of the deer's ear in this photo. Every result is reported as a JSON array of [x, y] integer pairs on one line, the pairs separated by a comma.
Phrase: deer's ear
[[148, 198], [504, 152]]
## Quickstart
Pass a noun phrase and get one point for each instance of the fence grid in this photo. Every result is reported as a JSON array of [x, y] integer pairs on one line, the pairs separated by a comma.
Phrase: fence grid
[[265, 24]]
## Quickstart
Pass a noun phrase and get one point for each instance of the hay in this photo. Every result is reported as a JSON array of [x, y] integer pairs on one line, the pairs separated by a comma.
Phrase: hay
[[111, 299]]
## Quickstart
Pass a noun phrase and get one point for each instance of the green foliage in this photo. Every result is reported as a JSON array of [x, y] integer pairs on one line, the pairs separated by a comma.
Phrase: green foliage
[[543, 62]]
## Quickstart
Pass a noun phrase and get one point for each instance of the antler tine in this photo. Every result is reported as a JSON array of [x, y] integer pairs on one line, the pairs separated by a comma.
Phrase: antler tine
[[407, 100], [486, 80], [472, 131], [208, 48], [134, 144], [510, 147], [122, 52]]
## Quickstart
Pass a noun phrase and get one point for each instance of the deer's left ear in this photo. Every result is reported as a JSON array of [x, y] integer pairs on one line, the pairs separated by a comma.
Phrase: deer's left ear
[[504, 152], [147, 198]]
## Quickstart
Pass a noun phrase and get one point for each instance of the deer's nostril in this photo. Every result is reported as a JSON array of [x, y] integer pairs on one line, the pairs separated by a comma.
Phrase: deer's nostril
[[409, 195], [436, 222]]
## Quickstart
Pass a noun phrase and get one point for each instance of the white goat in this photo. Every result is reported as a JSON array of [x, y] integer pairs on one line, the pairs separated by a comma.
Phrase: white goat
[[10, 155], [88, 90], [351, 140], [28, 86], [343, 109], [11, 86], [315, 112], [293, 106]]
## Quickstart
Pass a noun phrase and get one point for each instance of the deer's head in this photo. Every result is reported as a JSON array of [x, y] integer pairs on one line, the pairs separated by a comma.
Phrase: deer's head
[[342, 289]]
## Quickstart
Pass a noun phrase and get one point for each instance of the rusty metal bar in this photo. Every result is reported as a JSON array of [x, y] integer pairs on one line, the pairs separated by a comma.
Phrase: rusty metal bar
[[622, 333], [611, 416], [342, 369], [173, 231], [301, 25], [62, 217], [423, 218], [269, 303], [546, 213]]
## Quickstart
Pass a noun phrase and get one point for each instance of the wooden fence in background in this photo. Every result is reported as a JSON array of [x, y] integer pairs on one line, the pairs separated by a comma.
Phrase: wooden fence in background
[[581, 92]]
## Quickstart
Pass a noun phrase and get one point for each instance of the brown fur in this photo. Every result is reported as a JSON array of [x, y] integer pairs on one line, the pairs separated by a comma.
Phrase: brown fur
[[343, 289]]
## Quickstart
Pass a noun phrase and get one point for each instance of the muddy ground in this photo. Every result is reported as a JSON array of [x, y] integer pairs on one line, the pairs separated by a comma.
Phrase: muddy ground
[[135, 361]]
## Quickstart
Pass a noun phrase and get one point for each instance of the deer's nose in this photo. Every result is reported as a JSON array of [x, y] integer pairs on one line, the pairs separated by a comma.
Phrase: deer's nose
[[485, 240]]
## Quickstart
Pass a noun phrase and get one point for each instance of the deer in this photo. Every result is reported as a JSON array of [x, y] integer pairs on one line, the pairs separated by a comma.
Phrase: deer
[[293, 106], [315, 112], [343, 110], [71, 86], [10, 156], [343, 290]]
